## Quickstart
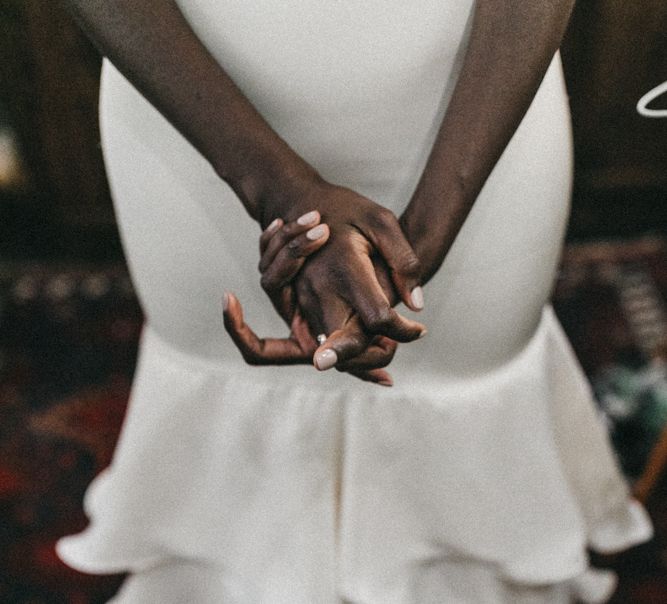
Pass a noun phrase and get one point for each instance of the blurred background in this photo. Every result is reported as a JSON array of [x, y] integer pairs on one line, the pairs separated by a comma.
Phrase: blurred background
[[69, 320]]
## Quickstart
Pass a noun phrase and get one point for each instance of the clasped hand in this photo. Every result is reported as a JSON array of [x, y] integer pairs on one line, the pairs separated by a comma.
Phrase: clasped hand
[[339, 271]]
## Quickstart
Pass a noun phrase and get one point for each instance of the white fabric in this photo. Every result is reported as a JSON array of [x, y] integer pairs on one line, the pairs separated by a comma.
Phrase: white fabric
[[486, 454], [178, 581]]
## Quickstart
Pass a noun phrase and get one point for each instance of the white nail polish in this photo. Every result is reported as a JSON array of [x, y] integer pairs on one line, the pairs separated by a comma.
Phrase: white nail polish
[[273, 226], [417, 298], [326, 359], [307, 219], [316, 232]]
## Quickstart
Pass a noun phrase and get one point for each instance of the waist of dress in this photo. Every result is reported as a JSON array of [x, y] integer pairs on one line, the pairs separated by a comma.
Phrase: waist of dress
[[415, 374]]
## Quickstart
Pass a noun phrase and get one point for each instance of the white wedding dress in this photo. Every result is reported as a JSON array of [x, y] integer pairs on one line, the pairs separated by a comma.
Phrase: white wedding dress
[[481, 477]]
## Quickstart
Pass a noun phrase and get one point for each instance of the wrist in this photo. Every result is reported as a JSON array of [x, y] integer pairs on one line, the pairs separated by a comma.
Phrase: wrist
[[268, 189], [431, 229], [285, 194]]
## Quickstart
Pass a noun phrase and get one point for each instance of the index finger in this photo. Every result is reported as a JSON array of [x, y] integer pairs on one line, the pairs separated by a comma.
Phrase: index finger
[[256, 350], [404, 265], [365, 295]]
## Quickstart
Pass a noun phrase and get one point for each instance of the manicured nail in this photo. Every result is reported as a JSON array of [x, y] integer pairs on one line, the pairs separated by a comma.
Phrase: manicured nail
[[316, 232], [422, 334], [225, 301], [307, 219], [387, 383], [417, 298], [326, 359], [273, 226]]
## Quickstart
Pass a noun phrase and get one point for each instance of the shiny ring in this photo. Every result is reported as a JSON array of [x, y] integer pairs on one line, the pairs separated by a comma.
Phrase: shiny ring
[[321, 339]]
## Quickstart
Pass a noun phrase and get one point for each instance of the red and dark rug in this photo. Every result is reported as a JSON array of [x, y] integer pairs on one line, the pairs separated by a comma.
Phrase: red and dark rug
[[68, 340]]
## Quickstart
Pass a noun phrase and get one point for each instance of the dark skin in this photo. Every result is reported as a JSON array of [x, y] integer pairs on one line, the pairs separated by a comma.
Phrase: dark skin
[[284, 249], [154, 47], [510, 48], [511, 45]]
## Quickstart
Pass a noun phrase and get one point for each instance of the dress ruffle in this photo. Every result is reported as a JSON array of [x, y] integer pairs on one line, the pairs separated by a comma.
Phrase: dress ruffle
[[222, 463]]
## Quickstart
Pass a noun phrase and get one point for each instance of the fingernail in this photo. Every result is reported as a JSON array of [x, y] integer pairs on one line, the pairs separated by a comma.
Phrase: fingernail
[[273, 226], [417, 297], [316, 232], [326, 359], [307, 219], [422, 334], [387, 383], [225, 301]]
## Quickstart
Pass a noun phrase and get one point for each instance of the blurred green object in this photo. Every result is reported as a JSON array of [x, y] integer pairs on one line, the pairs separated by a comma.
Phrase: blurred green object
[[634, 402]]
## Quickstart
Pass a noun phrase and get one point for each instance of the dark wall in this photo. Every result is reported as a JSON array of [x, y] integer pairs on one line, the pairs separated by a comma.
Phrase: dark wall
[[614, 52], [48, 86]]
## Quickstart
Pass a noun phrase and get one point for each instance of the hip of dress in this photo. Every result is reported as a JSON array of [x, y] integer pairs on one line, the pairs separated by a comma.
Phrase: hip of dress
[[367, 122]]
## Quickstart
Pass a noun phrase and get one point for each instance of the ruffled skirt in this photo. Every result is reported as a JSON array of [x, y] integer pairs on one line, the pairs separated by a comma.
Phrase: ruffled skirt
[[288, 491]]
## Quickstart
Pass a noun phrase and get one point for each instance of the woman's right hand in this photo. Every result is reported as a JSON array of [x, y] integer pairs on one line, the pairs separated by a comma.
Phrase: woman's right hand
[[340, 281], [284, 248], [153, 45]]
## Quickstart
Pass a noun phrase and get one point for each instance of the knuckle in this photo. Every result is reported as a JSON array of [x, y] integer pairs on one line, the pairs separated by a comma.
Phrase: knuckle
[[292, 228], [380, 363], [379, 359], [251, 357], [294, 249], [264, 239], [356, 342], [278, 240], [283, 238], [379, 320], [387, 358], [409, 264], [267, 282], [319, 277], [382, 219], [349, 348], [386, 214], [253, 354]]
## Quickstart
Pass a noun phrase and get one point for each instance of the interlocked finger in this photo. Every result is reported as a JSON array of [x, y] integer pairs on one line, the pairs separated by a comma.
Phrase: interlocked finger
[[267, 233], [339, 351], [342, 345], [387, 237], [375, 312], [298, 349], [288, 261], [379, 353], [281, 236], [376, 376]]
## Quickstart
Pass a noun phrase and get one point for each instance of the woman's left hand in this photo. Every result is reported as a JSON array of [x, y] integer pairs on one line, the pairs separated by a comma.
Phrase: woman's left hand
[[284, 248]]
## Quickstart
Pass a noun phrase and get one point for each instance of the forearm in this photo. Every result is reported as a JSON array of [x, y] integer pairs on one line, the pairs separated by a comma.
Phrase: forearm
[[152, 44], [511, 46]]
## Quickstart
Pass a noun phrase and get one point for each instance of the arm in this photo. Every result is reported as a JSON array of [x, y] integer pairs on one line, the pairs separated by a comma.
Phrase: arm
[[154, 47], [284, 249], [511, 46], [152, 44]]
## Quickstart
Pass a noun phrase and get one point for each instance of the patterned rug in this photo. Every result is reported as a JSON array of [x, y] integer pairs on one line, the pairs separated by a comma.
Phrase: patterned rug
[[68, 342], [68, 338]]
